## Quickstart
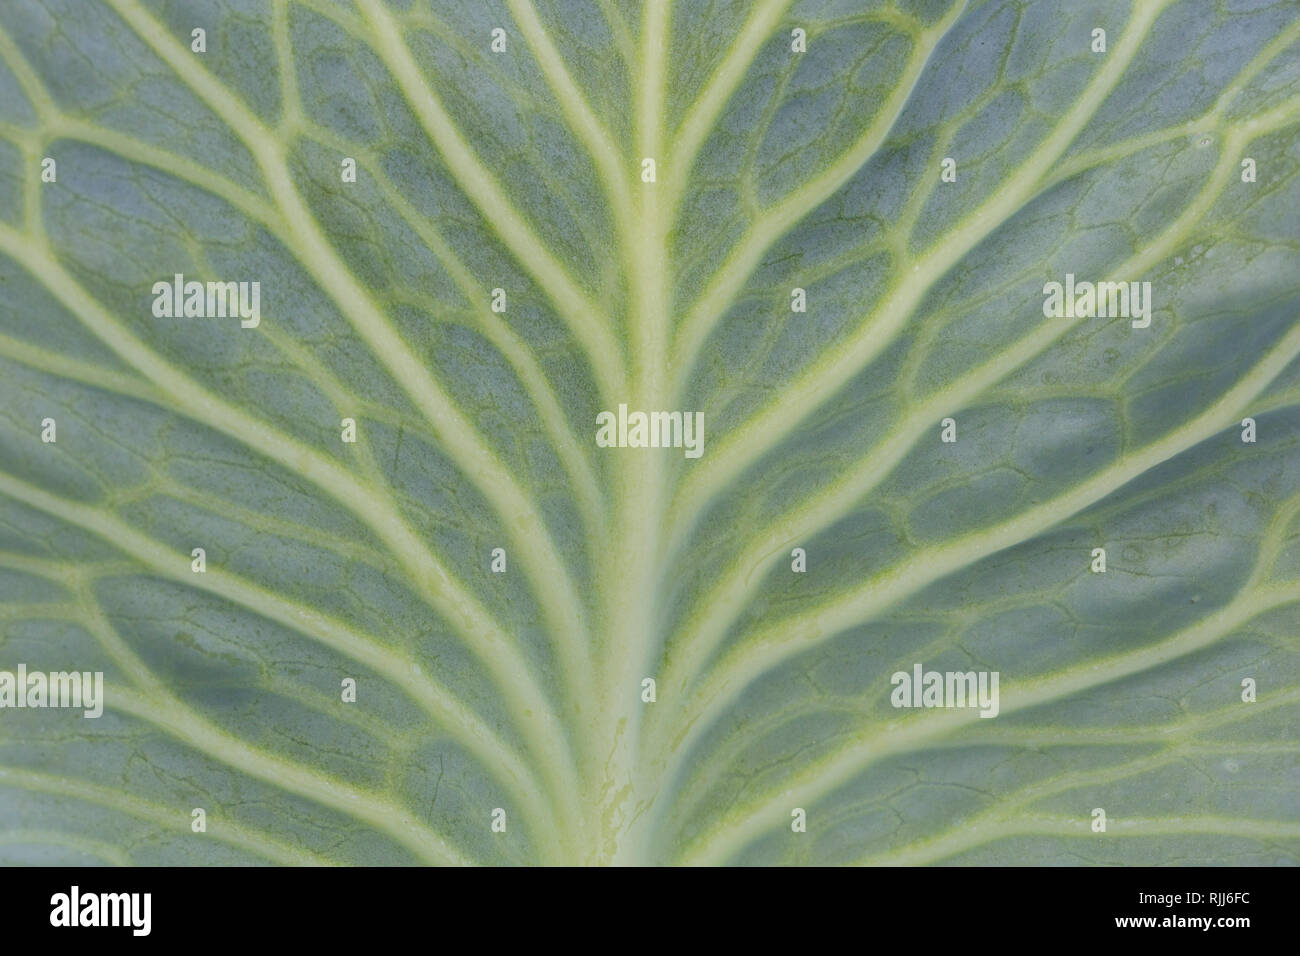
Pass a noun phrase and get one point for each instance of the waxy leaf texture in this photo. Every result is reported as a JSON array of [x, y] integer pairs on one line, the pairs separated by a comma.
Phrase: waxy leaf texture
[[574, 431]]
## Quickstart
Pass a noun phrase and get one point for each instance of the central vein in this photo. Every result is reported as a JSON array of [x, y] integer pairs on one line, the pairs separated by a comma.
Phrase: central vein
[[631, 624]]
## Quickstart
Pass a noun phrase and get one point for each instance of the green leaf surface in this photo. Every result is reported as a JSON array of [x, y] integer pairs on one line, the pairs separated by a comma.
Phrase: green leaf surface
[[521, 170]]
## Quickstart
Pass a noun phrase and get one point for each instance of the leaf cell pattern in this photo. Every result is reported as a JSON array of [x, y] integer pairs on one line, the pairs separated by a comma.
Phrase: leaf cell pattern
[[502, 267]]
